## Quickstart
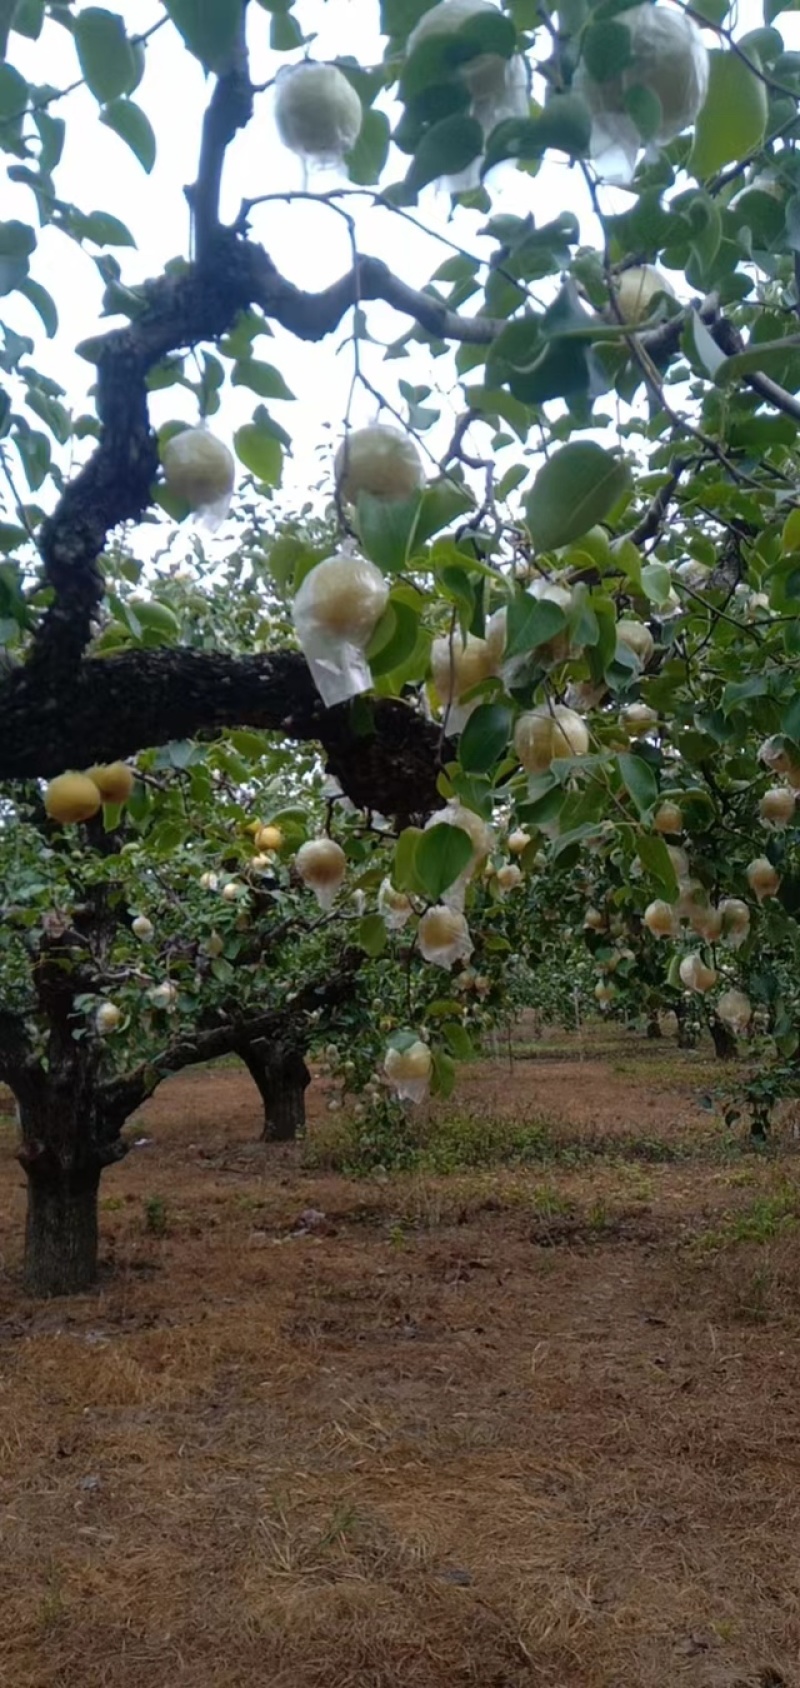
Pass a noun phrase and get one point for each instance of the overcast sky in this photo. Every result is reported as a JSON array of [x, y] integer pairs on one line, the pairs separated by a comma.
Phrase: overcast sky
[[308, 242]]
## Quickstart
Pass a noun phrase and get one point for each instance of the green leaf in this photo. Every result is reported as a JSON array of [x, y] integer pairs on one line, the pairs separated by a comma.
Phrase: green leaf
[[445, 149], [13, 88], [578, 487], [404, 874], [249, 743], [458, 1041], [128, 121], [282, 559], [485, 737], [27, 18], [261, 378], [285, 34], [656, 582], [441, 855], [441, 503], [371, 934], [11, 537], [645, 107], [210, 28], [606, 50], [435, 62], [639, 779], [398, 17], [366, 161], [105, 54], [444, 1074], [531, 622], [654, 856], [565, 125], [394, 639], [17, 240], [386, 529], [34, 451], [99, 227], [43, 304], [260, 452], [733, 118]]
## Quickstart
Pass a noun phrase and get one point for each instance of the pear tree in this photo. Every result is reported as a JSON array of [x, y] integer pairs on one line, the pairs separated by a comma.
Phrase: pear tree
[[566, 558]]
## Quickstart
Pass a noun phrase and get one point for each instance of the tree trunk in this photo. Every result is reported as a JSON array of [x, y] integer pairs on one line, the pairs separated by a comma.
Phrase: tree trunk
[[723, 1038], [61, 1231], [653, 1027], [686, 1035], [282, 1078]]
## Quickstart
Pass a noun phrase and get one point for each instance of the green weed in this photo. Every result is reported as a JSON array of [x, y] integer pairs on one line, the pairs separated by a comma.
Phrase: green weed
[[156, 1219], [765, 1219]]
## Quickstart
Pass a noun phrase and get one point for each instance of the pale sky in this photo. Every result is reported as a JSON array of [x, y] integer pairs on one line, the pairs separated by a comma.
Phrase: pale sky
[[309, 243]]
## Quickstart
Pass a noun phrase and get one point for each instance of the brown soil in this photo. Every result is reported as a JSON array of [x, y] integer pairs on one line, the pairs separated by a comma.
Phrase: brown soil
[[519, 1428]]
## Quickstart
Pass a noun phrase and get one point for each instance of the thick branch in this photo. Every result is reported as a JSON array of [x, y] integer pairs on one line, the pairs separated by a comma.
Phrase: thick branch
[[111, 707], [121, 1096], [230, 109], [202, 304]]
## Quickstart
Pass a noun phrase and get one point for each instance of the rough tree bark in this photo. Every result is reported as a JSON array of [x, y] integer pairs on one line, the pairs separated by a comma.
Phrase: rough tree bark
[[62, 709], [68, 1139], [71, 1120], [723, 1038], [112, 707], [282, 1078], [687, 1037], [61, 1232]]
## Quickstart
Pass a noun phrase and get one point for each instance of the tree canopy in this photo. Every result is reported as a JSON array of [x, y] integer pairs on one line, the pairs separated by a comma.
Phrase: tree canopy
[[553, 591]]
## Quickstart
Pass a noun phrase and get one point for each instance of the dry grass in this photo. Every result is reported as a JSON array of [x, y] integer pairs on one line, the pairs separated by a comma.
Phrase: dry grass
[[506, 1429]]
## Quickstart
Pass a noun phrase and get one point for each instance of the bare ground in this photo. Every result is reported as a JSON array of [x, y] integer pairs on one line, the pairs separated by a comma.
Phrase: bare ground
[[526, 1427]]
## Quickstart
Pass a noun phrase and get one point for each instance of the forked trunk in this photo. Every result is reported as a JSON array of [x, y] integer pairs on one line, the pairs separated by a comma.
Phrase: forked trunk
[[61, 1231], [282, 1078]]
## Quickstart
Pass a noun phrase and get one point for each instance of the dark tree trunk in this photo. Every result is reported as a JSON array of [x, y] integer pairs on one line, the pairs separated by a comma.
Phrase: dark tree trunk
[[686, 1034], [61, 1231], [723, 1038], [282, 1078], [653, 1027]]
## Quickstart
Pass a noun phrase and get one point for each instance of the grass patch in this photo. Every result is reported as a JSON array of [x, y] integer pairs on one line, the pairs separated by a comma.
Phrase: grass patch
[[765, 1219], [669, 1072], [464, 1142], [455, 1143]]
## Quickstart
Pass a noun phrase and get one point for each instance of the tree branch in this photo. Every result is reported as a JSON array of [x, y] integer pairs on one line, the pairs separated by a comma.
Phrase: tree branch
[[655, 514], [230, 109], [387, 760], [202, 304], [121, 1096]]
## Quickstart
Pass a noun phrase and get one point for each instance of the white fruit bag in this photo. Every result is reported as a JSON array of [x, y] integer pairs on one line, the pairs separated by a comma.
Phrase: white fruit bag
[[318, 112], [409, 1071], [200, 470], [498, 86], [335, 614], [668, 59]]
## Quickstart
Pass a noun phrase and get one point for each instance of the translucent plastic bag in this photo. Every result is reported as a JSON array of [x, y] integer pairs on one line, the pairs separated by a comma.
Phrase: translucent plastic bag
[[335, 615], [200, 470], [318, 112], [668, 59]]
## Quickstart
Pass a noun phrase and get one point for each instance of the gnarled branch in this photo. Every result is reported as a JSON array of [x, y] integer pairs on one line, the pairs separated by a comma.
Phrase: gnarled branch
[[120, 1096], [388, 761]]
